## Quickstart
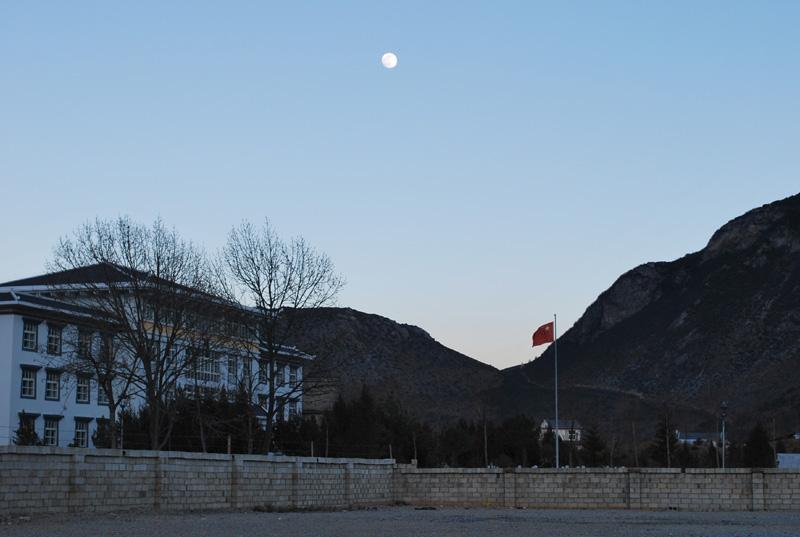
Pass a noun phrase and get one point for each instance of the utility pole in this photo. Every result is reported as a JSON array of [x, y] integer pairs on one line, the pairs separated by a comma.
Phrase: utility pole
[[724, 407]]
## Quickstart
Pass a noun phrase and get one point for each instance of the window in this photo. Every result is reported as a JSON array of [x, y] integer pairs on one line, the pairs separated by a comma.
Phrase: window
[[30, 335], [263, 372], [84, 345], [233, 370], [280, 378], [29, 382], [237, 330], [206, 367], [82, 390], [293, 376], [106, 347], [102, 396], [292, 409], [51, 430], [52, 389], [54, 332], [170, 354], [81, 432], [262, 400]]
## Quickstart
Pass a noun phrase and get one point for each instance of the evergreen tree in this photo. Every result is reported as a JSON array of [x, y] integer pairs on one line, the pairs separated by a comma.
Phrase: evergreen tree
[[456, 444], [424, 445], [367, 426], [516, 442], [548, 449], [734, 455], [757, 450], [106, 436], [287, 437], [664, 446], [355, 429], [397, 431], [688, 456], [26, 434], [135, 428], [594, 446]]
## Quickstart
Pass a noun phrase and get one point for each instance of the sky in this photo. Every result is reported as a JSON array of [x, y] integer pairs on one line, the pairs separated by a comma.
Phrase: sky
[[519, 158]]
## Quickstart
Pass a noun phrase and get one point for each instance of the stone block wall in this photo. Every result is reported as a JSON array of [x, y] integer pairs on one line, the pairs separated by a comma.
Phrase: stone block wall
[[697, 489], [781, 489], [739, 489], [62, 480], [451, 486], [529, 488], [576, 488]]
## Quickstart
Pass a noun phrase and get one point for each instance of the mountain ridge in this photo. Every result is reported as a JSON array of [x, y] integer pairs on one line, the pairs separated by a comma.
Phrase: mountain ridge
[[431, 381], [719, 324]]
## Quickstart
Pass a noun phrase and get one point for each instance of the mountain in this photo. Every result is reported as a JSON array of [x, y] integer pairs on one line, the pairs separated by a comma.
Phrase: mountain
[[721, 324], [433, 383]]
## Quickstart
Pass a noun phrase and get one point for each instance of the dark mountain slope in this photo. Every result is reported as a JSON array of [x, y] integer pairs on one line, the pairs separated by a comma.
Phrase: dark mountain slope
[[434, 383], [719, 324]]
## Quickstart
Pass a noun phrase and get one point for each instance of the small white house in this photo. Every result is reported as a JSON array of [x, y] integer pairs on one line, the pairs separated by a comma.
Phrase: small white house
[[568, 430], [700, 439]]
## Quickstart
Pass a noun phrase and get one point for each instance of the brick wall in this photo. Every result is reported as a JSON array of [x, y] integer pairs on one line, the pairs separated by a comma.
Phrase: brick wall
[[60, 480], [739, 489]]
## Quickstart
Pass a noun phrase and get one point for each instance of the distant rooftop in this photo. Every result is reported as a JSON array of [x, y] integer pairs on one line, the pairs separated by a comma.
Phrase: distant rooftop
[[562, 424]]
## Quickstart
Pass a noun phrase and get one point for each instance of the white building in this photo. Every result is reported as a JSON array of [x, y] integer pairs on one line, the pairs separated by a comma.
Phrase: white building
[[568, 430], [788, 460], [40, 329]]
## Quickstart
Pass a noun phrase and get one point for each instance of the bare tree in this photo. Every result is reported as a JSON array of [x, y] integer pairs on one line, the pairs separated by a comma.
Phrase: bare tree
[[148, 293], [275, 279]]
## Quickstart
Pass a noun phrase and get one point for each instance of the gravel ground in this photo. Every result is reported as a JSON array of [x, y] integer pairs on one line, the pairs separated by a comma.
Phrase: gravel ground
[[410, 521]]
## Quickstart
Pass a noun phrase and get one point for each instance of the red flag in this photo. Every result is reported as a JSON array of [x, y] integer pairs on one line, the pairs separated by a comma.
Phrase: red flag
[[544, 334]]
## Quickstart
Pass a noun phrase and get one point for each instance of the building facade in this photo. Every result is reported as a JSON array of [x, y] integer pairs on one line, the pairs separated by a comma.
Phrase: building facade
[[43, 334], [568, 430]]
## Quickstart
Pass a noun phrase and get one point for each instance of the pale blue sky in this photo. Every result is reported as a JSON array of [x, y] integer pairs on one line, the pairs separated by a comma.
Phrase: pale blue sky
[[519, 158]]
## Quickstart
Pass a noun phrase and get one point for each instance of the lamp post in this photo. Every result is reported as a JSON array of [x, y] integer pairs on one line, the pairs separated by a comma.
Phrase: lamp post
[[724, 407]]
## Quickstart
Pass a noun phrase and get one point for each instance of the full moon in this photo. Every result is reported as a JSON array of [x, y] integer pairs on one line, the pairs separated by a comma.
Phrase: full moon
[[389, 60]]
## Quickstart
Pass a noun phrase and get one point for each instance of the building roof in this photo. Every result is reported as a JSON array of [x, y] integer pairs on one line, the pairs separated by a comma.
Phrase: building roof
[[101, 275], [690, 437], [11, 299], [98, 273], [562, 424]]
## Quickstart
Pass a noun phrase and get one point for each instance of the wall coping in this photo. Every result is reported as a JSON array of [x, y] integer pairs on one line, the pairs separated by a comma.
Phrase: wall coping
[[186, 455]]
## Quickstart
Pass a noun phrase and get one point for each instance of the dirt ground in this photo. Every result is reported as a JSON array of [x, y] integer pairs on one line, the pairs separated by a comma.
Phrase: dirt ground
[[411, 522]]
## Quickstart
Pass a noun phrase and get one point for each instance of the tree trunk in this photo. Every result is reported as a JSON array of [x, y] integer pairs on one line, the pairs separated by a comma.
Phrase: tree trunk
[[199, 411], [485, 445], [155, 417], [250, 434], [268, 434]]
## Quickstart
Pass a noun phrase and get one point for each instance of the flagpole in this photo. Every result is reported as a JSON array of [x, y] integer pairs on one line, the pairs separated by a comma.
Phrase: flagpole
[[555, 352]]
